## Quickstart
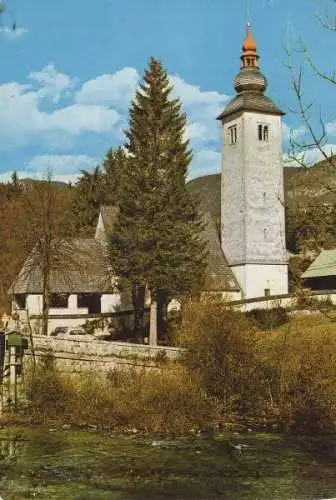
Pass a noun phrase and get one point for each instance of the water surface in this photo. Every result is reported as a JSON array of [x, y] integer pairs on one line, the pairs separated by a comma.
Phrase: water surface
[[73, 464]]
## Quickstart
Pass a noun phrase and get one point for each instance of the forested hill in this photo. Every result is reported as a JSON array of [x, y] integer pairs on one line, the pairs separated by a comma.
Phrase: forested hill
[[301, 185], [309, 194], [310, 201]]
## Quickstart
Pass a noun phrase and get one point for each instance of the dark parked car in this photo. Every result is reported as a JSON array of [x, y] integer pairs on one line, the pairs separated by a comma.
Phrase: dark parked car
[[58, 330]]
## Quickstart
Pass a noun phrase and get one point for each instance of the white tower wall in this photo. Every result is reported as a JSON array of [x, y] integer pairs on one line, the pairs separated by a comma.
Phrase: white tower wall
[[252, 206]]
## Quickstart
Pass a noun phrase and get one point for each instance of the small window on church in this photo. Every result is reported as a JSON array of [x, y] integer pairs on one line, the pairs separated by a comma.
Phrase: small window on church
[[267, 292], [265, 234], [233, 134], [260, 132], [263, 133]]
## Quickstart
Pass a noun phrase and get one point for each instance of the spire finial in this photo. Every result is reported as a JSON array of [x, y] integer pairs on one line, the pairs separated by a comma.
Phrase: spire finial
[[249, 44], [250, 77]]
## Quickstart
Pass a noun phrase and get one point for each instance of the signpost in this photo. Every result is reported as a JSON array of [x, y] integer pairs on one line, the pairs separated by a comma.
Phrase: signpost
[[12, 347]]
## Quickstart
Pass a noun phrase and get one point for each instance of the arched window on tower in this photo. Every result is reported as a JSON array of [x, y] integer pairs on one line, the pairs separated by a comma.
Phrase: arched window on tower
[[232, 134], [263, 132]]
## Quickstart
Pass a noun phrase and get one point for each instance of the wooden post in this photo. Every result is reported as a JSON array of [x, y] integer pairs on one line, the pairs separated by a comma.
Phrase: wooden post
[[2, 367], [12, 375], [153, 322]]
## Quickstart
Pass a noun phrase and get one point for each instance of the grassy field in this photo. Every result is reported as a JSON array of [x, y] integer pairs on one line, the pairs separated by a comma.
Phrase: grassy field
[[68, 464], [310, 324]]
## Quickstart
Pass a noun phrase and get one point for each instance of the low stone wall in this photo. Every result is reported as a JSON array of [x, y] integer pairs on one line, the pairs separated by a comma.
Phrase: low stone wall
[[98, 355], [286, 301]]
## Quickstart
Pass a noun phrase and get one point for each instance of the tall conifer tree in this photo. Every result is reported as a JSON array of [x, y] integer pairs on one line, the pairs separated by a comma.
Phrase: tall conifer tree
[[157, 239]]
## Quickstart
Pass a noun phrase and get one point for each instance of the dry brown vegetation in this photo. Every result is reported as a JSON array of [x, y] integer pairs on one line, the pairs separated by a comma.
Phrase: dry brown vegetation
[[285, 377], [167, 399], [231, 373]]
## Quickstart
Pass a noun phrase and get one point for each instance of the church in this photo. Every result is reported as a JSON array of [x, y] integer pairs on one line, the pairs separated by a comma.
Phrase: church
[[252, 225], [246, 248]]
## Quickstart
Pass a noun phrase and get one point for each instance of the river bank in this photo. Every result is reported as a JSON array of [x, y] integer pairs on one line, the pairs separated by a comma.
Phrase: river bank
[[56, 463]]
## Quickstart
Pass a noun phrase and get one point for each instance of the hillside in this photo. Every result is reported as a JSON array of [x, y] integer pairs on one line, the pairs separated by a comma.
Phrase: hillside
[[310, 201], [301, 185]]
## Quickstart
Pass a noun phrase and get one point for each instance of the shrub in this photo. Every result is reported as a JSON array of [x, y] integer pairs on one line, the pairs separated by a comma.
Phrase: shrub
[[269, 318], [303, 385], [49, 393], [165, 400], [220, 349], [285, 377]]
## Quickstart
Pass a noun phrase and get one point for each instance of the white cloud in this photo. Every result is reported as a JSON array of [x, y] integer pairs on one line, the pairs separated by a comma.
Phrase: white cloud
[[202, 108], [292, 133], [12, 34], [61, 164], [331, 128], [64, 168], [205, 162], [23, 122], [203, 132], [26, 174], [77, 119], [99, 107], [192, 95], [115, 89], [310, 157], [53, 83]]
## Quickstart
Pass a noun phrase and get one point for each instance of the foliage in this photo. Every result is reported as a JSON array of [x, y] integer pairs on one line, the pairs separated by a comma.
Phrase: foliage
[[269, 318], [100, 187], [89, 196], [220, 349], [313, 227], [129, 398], [29, 210], [50, 395], [285, 377], [50, 224], [156, 241]]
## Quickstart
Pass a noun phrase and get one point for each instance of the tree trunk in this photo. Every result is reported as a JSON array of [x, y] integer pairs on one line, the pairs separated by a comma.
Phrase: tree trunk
[[153, 320], [138, 300], [45, 303]]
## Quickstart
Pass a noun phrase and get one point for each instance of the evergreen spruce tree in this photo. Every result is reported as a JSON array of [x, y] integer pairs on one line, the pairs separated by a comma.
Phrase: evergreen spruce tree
[[157, 239], [114, 166], [89, 195], [99, 187]]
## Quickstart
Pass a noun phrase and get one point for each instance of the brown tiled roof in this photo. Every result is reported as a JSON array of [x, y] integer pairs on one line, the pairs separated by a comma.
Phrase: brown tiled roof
[[219, 276], [250, 101], [79, 266]]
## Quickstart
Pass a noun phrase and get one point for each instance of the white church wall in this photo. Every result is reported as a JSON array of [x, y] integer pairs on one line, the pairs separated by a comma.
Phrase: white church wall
[[255, 279], [232, 194], [34, 304], [265, 240], [110, 302], [253, 228]]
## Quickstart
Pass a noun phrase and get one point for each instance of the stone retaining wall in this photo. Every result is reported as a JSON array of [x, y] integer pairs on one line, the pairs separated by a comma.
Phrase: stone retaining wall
[[77, 355], [286, 301]]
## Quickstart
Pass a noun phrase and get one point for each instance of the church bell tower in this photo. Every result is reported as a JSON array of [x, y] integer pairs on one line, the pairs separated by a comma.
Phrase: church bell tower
[[252, 191]]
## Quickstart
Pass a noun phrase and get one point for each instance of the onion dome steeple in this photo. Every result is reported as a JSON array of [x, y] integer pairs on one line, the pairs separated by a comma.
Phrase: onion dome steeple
[[250, 84], [250, 77]]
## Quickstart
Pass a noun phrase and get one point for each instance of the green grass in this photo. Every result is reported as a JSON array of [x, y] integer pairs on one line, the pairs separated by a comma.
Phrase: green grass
[[314, 323], [67, 464]]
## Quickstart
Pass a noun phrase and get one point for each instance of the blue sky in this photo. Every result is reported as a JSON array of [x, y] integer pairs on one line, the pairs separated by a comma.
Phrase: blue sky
[[69, 71]]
